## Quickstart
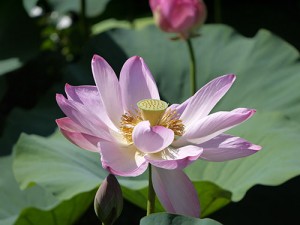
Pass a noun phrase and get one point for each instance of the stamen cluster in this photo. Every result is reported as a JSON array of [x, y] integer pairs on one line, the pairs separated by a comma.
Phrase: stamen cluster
[[170, 119]]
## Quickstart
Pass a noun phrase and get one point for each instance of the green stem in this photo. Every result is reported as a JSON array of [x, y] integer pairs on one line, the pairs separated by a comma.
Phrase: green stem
[[218, 11], [193, 82], [151, 195], [83, 21]]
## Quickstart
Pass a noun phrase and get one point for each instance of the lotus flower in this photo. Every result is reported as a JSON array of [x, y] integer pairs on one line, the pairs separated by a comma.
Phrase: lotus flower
[[179, 16], [127, 123]]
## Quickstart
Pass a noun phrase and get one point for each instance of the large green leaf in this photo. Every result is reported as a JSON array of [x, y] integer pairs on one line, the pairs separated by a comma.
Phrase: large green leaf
[[33, 205], [64, 169], [13, 200], [171, 219], [268, 73], [80, 171]]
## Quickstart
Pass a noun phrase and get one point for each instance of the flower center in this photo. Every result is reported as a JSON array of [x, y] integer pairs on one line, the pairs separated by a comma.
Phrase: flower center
[[155, 112], [152, 110]]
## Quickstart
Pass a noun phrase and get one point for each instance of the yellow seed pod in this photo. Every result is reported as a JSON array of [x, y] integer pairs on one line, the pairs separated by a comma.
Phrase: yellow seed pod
[[152, 110]]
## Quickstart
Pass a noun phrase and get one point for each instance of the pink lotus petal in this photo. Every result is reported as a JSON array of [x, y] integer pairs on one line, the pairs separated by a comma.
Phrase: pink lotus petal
[[86, 94], [213, 125], [226, 147], [205, 99], [180, 107], [183, 17], [136, 83], [82, 140], [108, 86], [84, 118], [90, 98], [122, 160], [67, 124], [176, 192], [151, 139], [77, 134], [171, 158]]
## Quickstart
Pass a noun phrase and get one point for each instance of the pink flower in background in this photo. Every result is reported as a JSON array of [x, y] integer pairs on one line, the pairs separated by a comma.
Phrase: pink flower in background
[[127, 123], [179, 16]]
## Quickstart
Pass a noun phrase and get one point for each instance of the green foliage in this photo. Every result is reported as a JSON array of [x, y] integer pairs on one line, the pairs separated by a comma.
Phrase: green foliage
[[64, 171], [212, 197], [171, 219], [35, 204]]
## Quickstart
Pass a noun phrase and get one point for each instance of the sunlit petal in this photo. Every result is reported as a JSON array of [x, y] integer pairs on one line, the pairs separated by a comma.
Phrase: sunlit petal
[[108, 87], [83, 117], [226, 147], [136, 83], [151, 139], [206, 98], [91, 100], [122, 160], [176, 192], [175, 158], [213, 125]]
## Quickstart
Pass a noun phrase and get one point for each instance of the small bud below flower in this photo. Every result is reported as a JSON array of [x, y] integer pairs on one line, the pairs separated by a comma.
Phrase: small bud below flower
[[108, 202], [179, 16]]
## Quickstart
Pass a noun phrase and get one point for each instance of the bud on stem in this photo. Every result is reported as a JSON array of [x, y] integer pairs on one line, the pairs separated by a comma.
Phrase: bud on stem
[[179, 16], [108, 202]]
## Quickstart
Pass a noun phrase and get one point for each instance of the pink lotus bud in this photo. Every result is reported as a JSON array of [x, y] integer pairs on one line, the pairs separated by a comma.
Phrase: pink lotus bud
[[108, 202], [179, 16]]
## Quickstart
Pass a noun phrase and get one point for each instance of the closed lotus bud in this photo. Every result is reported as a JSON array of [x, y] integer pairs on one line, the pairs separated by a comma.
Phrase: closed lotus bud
[[179, 16], [108, 202]]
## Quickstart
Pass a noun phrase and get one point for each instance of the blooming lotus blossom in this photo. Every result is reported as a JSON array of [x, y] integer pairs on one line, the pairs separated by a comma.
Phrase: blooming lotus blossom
[[127, 123], [179, 16]]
